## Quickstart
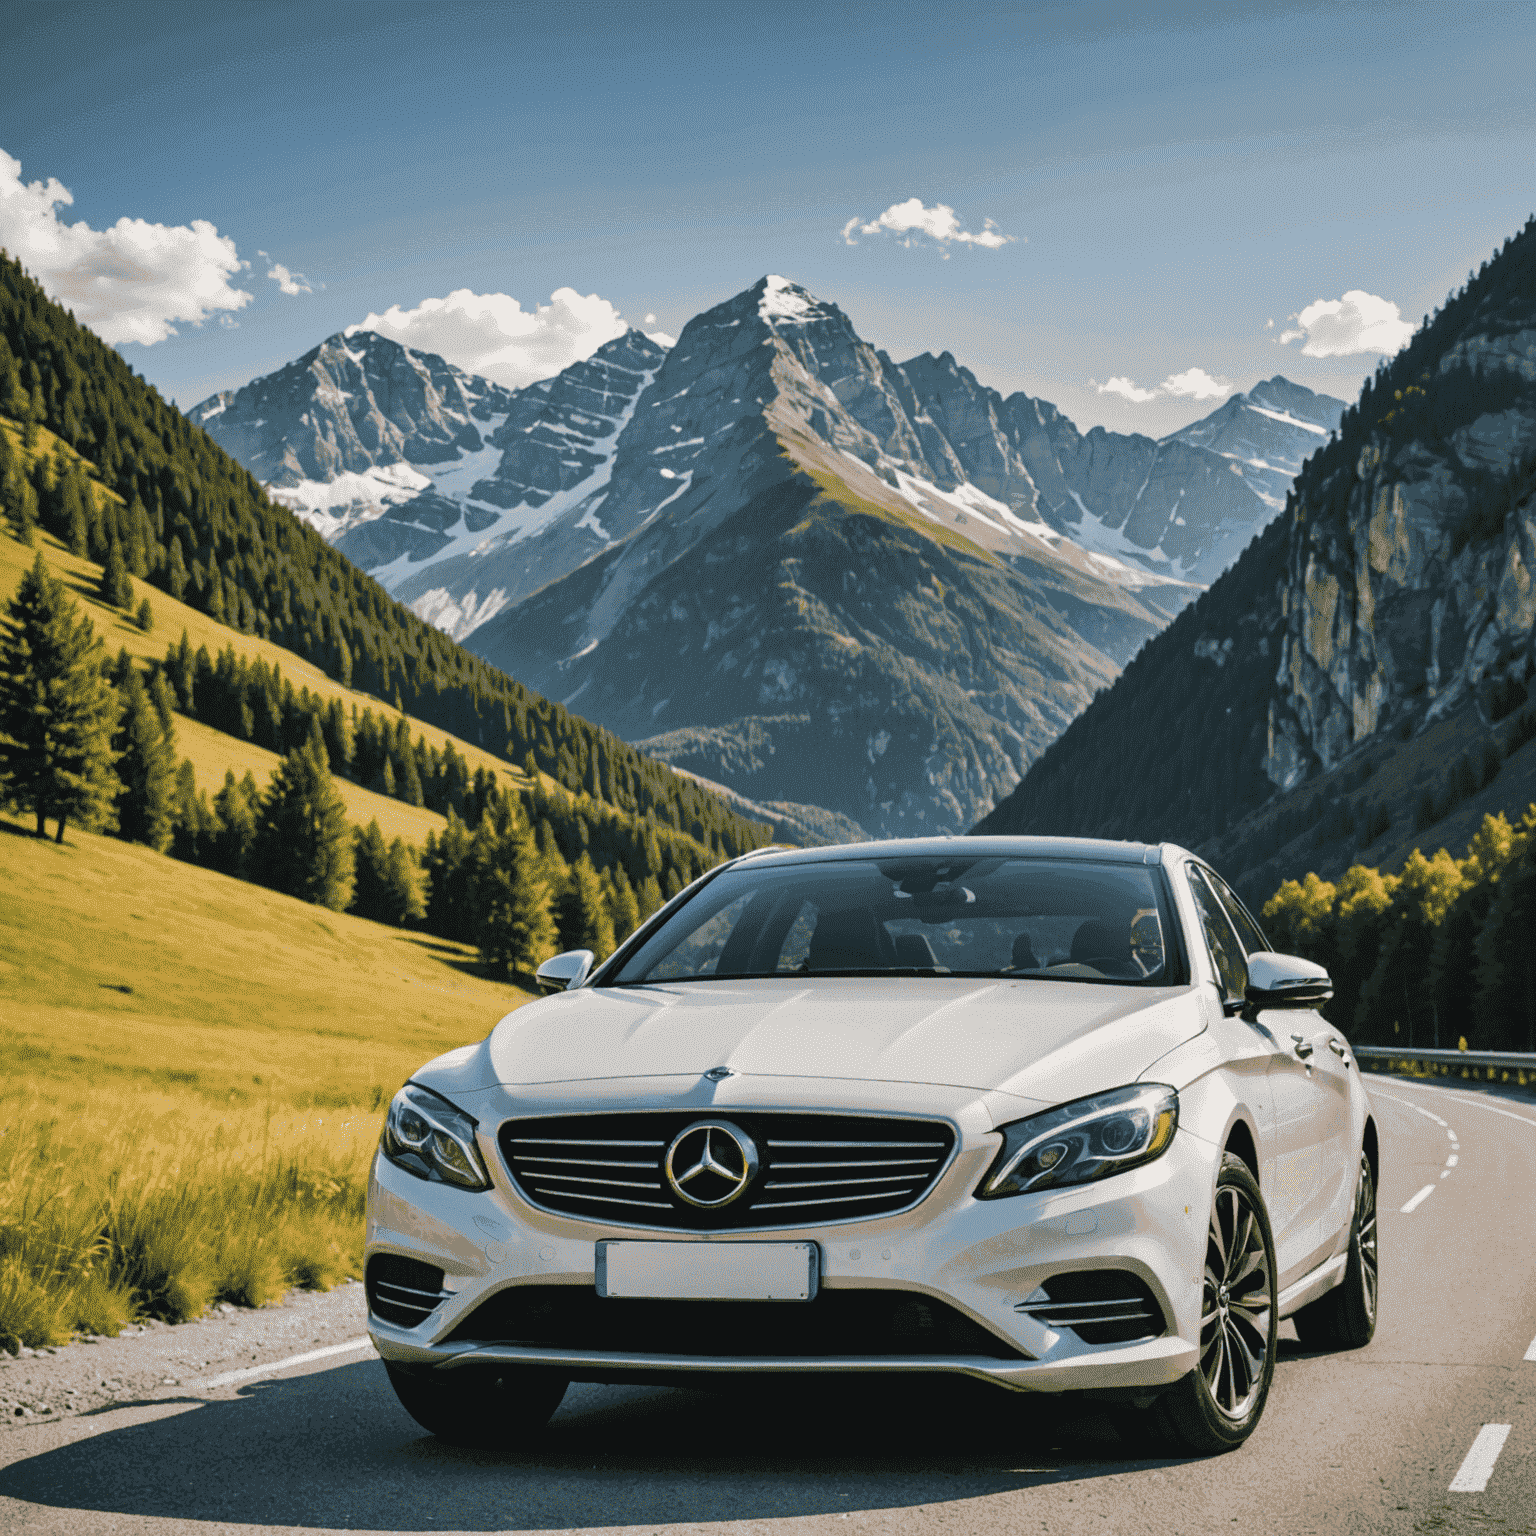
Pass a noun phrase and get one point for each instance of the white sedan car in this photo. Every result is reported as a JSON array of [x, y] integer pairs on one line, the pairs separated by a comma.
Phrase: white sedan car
[[1045, 1112]]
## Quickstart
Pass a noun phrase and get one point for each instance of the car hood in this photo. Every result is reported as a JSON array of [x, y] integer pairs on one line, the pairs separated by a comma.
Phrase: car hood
[[1042, 1040]]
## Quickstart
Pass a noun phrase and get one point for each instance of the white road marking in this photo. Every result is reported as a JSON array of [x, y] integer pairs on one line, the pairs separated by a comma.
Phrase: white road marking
[[1418, 1109], [1462, 1097], [1418, 1200], [1478, 1467], [1530, 1354], [251, 1372]]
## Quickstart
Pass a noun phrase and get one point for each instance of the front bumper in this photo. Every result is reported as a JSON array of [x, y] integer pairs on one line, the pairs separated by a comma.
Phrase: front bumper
[[980, 1257]]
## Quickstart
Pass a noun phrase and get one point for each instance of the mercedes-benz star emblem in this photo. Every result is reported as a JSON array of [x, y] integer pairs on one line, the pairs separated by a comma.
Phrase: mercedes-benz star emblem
[[710, 1163]]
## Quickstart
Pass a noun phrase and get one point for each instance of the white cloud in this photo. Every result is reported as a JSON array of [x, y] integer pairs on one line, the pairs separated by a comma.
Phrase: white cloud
[[939, 223], [1126, 389], [1359, 322], [650, 320], [1192, 384], [131, 282], [661, 338], [288, 282], [1195, 384], [493, 335]]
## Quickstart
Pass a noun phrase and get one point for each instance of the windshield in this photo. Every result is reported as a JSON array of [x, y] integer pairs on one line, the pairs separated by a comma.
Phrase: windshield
[[930, 915]]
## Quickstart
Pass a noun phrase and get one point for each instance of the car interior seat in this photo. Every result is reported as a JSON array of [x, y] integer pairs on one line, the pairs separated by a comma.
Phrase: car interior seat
[[914, 951], [848, 940], [1098, 940], [1024, 958]]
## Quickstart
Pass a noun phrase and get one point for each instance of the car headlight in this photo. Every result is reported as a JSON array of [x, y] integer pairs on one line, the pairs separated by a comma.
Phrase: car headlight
[[1086, 1140], [427, 1136]]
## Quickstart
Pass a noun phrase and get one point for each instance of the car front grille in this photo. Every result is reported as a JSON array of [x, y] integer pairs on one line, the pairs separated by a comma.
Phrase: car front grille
[[1101, 1306], [403, 1291], [837, 1323], [813, 1169]]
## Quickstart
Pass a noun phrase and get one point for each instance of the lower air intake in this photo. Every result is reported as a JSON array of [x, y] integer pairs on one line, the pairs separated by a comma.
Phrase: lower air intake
[[1101, 1306], [403, 1291], [836, 1323]]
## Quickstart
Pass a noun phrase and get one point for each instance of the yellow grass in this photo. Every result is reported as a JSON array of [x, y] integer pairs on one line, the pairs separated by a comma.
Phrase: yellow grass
[[193, 1071], [212, 753]]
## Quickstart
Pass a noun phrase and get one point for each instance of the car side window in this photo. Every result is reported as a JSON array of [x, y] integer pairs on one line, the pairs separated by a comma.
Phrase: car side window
[[1231, 963], [1253, 940]]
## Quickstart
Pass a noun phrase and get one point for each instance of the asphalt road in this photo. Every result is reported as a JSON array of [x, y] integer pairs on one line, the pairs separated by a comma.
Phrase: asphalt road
[[1366, 1442]]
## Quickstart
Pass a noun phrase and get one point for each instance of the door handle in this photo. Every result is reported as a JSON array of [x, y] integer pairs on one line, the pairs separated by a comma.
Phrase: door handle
[[1338, 1048], [1303, 1046]]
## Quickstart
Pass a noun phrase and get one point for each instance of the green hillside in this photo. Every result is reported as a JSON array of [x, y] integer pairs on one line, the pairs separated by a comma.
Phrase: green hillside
[[188, 520]]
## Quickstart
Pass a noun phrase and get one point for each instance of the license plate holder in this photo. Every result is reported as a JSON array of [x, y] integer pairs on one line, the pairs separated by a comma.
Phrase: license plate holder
[[693, 1271]]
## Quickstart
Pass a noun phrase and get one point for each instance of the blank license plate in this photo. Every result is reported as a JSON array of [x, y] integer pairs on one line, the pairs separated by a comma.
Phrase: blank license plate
[[709, 1271]]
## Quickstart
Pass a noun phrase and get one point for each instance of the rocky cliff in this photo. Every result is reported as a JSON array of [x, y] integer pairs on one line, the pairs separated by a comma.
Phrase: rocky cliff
[[1395, 593]]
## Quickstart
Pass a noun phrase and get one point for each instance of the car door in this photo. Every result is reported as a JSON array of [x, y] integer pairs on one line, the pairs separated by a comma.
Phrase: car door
[[1311, 1045], [1290, 1157]]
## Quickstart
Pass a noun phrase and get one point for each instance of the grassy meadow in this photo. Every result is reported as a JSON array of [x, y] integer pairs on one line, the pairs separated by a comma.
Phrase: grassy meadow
[[192, 1071]]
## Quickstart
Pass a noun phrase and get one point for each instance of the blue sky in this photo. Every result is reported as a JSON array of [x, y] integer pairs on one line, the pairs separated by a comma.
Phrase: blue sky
[[1170, 177]]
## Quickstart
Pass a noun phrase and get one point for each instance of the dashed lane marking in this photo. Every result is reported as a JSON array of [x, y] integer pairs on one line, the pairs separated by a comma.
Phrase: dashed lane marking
[[1462, 1097], [1478, 1467], [1417, 1200], [251, 1372]]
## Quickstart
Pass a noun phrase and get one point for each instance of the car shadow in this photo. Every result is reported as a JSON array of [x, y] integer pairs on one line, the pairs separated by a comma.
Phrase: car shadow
[[334, 1449]]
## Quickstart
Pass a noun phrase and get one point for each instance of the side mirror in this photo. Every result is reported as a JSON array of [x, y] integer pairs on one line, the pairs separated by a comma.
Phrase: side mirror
[[560, 972], [1284, 981]]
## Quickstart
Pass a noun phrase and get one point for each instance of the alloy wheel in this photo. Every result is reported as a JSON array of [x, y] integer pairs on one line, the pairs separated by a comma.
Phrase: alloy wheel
[[1365, 1228], [1234, 1310]]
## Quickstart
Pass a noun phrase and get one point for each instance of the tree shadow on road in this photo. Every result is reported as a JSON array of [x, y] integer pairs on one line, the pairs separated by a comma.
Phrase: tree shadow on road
[[334, 1450]]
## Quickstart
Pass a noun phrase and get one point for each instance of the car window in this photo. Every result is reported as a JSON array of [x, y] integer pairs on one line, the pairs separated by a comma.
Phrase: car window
[[923, 915], [1226, 952], [1248, 931]]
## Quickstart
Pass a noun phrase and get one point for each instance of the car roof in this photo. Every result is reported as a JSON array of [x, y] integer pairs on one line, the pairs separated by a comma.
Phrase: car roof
[[1098, 850]]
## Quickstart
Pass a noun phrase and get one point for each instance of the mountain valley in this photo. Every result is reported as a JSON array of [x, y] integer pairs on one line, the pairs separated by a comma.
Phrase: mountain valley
[[776, 558]]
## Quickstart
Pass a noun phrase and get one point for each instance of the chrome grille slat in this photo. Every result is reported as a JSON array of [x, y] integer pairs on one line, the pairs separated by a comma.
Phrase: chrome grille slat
[[813, 1167], [576, 1178], [871, 1162], [576, 1194], [885, 1178], [587, 1162]]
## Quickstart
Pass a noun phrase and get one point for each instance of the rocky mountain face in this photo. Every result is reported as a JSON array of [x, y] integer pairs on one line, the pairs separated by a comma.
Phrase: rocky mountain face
[[347, 430], [1395, 593], [805, 602], [1185, 506]]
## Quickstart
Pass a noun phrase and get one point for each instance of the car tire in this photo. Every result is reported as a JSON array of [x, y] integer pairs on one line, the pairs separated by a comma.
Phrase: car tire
[[1345, 1317], [487, 1408], [1205, 1413]]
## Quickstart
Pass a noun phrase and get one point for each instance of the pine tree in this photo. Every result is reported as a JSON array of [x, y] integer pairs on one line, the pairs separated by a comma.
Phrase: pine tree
[[624, 910], [145, 617], [18, 500], [234, 834], [146, 765], [1506, 961], [194, 825], [511, 898], [57, 711], [302, 843], [386, 886], [116, 587], [581, 914]]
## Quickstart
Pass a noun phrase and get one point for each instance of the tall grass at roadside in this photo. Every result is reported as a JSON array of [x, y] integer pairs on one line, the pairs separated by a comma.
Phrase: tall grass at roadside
[[122, 1208], [192, 1075]]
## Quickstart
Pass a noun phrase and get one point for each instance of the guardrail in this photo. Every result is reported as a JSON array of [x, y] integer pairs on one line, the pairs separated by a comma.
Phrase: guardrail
[[1517, 1067]]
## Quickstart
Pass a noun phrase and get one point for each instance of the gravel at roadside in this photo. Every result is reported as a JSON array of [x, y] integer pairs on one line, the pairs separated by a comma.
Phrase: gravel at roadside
[[157, 1360]]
